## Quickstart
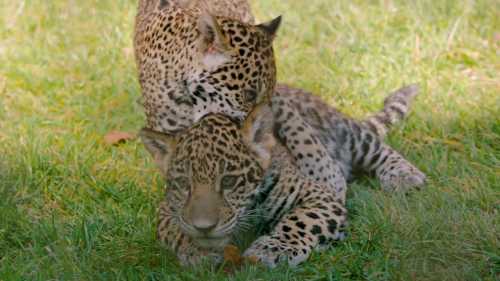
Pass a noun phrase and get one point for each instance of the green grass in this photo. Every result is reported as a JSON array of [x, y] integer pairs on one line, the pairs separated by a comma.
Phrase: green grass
[[72, 208]]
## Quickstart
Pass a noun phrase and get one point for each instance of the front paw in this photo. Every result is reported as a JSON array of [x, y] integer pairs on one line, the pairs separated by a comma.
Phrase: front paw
[[270, 251]]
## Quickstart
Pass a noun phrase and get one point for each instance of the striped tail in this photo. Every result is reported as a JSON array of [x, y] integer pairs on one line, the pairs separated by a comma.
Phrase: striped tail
[[396, 107]]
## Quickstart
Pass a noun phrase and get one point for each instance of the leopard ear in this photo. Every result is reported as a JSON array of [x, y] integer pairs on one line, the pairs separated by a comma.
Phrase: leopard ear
[[214, 44], [257, 131], [271, 27], [161, 146]]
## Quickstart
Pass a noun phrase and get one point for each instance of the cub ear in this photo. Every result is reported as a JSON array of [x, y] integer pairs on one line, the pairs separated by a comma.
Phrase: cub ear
[[271, 27], [160, 145], [257, 131]]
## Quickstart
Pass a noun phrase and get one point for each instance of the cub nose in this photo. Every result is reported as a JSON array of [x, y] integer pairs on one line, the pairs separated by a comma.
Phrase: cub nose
[[204, 225]]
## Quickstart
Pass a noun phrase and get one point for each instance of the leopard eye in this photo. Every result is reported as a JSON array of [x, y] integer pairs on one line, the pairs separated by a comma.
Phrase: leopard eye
[[228, 182], [250, 95]]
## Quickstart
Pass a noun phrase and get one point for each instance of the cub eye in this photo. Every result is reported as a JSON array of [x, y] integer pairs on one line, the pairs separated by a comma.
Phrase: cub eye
[[228, 182], [250, 95]]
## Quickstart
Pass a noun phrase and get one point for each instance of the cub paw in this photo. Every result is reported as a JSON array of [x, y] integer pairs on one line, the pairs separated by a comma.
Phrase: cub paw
[[270, 252], [403, 180]]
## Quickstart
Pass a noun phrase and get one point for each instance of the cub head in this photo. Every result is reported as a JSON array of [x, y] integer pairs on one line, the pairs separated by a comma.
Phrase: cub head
[[213, 172]]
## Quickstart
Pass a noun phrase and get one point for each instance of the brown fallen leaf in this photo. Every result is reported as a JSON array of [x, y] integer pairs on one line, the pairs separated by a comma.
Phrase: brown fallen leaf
[[117, 137], [234, 260], [253, 260], [232, 255]]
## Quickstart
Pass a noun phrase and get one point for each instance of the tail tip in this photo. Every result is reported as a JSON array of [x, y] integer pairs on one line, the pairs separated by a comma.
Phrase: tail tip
[[411, 89]]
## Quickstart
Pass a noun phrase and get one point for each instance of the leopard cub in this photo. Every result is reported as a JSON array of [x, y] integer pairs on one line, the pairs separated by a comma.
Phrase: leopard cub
[[288, 160]]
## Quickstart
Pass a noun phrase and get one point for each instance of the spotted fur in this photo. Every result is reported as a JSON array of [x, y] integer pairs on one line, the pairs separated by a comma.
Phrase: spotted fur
[[312, 131], [196, 57], [288, 163]]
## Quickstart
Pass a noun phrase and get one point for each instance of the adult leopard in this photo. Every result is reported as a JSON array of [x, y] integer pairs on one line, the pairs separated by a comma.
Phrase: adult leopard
[[197, 57], [219, 173]]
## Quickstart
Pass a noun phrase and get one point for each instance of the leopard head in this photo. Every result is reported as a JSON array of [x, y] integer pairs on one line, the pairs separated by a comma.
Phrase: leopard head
[[236, 69], [213, 171], [192, 63]]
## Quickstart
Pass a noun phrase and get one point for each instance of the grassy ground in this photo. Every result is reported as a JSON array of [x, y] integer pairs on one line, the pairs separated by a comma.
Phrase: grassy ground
[[72, 208]]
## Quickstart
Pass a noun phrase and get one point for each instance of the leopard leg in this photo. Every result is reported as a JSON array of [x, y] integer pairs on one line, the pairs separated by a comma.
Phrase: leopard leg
[[313, 223], [181, 244], [311, 156]]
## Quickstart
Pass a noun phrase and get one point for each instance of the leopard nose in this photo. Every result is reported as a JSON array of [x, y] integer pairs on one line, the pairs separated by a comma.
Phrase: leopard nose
[[204, 225]]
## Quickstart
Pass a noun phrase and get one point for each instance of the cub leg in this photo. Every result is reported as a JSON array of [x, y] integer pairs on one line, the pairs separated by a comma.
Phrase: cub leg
[[391, 168], [315, 221], [396, 173]]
